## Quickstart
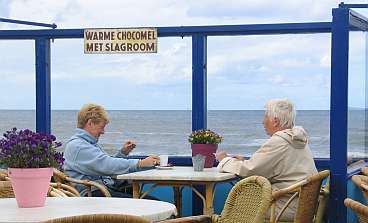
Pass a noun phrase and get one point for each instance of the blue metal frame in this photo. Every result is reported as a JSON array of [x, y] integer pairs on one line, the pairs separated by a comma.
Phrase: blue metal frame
[[199, 98], [28, 23], [343, 5], [43, 86], [199, 82], [181, 31], [344, 20], [339, 112]]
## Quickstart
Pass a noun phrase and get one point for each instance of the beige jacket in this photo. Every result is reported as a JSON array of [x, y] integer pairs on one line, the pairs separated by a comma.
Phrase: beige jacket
[[283, 159]]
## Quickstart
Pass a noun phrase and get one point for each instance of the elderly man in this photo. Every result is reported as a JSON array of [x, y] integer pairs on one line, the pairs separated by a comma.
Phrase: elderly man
[[284, 159], [85, 159]]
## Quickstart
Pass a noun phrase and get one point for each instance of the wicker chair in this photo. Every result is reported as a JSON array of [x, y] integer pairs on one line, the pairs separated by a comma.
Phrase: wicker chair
[[324, 196], [60, 177], [100, 218], [308, 192], [6, 190], [362, 182], [3, 175], [248, 201], [359, 209]]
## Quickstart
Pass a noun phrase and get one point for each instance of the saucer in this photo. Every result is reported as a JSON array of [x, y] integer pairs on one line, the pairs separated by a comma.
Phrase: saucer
[[168, 167]]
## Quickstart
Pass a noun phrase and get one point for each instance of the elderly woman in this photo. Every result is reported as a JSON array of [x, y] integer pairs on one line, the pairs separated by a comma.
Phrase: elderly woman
[[284, 159], [85, 159]]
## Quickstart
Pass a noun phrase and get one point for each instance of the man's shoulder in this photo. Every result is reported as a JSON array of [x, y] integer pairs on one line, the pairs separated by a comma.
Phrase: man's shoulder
[[275, 141]]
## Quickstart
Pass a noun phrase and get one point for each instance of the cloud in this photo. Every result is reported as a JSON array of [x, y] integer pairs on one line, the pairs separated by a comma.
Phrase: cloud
[[280, 65]]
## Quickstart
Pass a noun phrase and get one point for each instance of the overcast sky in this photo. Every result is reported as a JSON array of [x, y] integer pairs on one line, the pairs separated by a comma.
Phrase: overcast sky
[[243, 71]]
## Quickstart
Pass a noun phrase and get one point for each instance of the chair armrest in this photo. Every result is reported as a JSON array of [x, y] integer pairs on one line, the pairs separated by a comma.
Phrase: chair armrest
[[89, 184], [191, 219], [62, 178], [66, 189]]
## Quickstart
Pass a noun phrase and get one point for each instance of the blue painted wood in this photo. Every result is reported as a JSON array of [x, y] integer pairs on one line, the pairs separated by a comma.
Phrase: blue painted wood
[[199, 82], [43, 86], [339, 113], [199, 100], [343, 5], [220, 30], [28, 23]]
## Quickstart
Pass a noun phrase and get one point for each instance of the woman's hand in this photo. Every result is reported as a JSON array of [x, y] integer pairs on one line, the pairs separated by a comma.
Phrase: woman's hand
[[128, 147], [149, 161]]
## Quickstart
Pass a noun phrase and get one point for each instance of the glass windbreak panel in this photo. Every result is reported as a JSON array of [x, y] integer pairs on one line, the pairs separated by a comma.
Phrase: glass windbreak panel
[[148, 96], [17, 85], [245, 72], [357, 120]]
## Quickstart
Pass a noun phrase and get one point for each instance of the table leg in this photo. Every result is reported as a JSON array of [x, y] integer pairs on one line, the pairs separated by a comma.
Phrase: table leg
[[209, 199], [177, 199], [136, 189]]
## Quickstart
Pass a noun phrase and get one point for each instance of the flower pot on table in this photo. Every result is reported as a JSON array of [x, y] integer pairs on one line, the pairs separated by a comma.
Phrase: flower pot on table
[[30, 185], [207, 150]]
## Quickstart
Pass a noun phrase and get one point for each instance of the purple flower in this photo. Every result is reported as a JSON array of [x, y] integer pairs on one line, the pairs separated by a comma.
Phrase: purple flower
[[28, 149]]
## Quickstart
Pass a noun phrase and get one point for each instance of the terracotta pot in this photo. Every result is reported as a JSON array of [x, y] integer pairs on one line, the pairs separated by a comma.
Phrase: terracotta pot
[[30, 185], [207, 150]]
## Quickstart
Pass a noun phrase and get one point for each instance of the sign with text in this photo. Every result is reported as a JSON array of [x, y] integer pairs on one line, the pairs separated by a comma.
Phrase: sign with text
[[108, 41]]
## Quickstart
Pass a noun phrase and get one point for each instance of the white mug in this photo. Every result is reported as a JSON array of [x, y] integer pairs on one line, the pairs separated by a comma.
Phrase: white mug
[[164, 160]]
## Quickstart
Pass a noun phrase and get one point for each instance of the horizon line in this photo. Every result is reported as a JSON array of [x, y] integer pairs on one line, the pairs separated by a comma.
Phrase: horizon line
[[350, 108]]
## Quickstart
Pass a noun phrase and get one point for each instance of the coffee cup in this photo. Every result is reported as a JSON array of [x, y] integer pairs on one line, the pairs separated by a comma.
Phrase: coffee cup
[[164, 160]]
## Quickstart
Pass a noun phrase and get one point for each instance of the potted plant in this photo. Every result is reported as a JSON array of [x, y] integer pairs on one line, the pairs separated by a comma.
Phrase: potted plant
[[30, 158], [205, 142]]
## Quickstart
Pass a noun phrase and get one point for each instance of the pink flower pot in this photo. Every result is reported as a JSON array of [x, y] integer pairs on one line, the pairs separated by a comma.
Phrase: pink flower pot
[[207, 150], [30, 185]]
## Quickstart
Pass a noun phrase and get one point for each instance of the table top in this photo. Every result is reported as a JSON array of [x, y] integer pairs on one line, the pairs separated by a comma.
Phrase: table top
[[179, 173], [56, 207]]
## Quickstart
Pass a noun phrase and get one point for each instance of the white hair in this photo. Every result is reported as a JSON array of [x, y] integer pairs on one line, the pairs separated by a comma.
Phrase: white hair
[[283, 110]]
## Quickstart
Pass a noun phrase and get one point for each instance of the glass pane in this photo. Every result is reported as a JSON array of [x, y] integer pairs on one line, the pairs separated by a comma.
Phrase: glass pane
[[251, 70], [17, 85], [148, 96], [357, 122]]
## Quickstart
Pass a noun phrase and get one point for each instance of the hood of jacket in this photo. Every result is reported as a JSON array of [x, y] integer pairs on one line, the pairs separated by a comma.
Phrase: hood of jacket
[[296, 136], [81, 133]]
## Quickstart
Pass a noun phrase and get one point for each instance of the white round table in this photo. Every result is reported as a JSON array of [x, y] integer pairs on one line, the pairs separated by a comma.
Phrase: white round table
[[63, 207]]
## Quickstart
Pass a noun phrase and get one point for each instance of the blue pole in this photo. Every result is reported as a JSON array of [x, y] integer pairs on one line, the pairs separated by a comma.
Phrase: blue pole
[[43, 86], [199, 82], [199, 99], [339, 113], [28, 23]]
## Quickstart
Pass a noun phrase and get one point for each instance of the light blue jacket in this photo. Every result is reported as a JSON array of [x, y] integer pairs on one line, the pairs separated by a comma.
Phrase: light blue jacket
[[85, 159]]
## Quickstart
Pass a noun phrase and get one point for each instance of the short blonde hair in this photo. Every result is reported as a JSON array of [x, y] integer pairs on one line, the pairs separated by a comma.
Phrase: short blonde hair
[[282, 109], [94, 112]]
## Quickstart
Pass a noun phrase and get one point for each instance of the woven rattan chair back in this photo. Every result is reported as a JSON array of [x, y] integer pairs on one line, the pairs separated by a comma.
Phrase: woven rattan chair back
[[6, 190], [308, 197], [60, 177], [100, 218], [359, 209], [3, 174], [323, 202], [248, 201]]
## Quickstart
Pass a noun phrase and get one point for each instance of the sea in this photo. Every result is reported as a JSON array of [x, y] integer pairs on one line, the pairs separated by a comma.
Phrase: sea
[[166, 131]]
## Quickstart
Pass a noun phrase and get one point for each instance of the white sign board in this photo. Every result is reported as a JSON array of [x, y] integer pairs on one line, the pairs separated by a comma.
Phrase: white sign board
[[108, 41]]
